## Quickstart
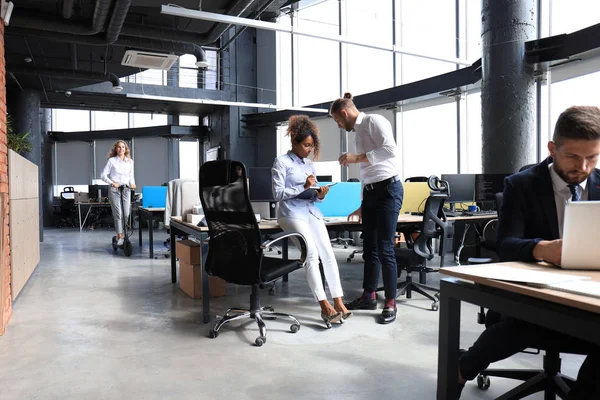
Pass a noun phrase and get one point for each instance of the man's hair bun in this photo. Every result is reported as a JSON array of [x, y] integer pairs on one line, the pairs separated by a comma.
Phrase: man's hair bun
[[348, 95]]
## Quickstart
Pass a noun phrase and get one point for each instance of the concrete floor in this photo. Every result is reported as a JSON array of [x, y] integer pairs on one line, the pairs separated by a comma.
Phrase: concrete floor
[[95, 325]]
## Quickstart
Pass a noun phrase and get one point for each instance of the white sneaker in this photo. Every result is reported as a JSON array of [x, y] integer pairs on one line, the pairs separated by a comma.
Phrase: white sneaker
[[120, 242]]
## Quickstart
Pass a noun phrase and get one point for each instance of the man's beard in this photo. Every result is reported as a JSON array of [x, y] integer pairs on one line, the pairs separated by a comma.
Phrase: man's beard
[[576, 180]]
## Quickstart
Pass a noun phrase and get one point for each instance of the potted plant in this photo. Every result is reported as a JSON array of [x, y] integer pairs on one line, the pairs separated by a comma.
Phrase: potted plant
[[17, 142]]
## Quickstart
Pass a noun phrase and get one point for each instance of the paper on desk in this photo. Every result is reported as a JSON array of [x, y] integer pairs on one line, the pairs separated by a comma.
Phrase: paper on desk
[[517, 275]]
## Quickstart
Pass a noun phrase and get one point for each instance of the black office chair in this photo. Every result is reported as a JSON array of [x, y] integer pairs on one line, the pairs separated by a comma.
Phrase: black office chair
[[235, 251], [416, 179], [523, 168], [63, 213], [415, 257]]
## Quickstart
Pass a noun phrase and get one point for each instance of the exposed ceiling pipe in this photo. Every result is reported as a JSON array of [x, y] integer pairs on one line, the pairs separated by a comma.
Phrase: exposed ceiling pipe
[[69, 74], [123, 41], [67, 9], [26, 19], [116, 21]]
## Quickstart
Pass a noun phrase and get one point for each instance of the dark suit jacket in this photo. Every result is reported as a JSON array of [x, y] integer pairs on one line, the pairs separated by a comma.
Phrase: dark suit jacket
[[528, 211]]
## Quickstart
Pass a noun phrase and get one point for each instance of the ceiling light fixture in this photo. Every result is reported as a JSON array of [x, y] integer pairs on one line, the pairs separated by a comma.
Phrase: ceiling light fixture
[[178, 11]]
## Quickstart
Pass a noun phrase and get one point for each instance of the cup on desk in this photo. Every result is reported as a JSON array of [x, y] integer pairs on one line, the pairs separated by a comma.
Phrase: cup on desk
[[473, 208]]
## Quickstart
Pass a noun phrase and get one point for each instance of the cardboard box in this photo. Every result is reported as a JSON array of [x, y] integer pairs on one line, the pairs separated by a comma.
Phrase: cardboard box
[[188, 252], [194, 218], [190, 281]]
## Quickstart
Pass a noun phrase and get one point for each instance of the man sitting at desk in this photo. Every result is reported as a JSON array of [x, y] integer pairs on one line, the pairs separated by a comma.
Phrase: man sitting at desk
[[530, 229]]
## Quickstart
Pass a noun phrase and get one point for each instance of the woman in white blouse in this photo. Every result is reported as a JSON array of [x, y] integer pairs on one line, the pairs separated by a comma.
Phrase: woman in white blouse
[[119, 171], [293, 173]]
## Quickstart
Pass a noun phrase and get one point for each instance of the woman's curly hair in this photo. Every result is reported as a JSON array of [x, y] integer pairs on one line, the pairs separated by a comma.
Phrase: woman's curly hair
[[300, 127]]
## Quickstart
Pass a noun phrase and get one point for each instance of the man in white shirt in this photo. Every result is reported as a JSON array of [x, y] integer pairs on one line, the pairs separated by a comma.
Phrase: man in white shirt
[[381, 201]]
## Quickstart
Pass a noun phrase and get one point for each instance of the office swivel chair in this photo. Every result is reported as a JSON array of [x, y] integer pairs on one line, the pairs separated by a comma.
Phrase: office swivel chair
[[63, 213], [235, 251], [415, 257], [417, 179]]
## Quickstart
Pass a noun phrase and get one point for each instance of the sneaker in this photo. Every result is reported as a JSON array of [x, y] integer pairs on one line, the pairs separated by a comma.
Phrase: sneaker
[[362, 304], [120, 242]]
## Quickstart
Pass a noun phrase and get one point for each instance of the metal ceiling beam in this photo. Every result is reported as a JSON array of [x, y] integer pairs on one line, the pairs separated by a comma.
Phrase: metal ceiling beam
[[386, 97], [150, 131], [561, 47], [207, 16]]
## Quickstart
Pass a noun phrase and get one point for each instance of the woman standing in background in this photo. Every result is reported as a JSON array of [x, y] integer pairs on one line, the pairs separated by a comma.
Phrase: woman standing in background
[[117, 172]]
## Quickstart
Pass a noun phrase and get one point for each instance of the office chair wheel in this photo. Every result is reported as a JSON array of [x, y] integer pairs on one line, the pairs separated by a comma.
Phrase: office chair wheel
[[349, 259], [434, 307], [260, 341], [269, 308], [483, 382], [213, 334], [294, 328], [127, 248]]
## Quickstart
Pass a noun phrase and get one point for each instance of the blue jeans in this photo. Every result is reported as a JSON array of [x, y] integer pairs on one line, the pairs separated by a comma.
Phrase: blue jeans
[[380, 209]]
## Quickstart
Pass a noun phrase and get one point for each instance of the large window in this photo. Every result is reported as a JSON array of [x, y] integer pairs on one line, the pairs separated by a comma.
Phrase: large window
[[429, 140], [318, 60]]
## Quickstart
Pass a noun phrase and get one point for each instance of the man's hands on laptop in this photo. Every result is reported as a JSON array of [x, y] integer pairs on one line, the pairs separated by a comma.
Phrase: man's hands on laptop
[[548, 250]]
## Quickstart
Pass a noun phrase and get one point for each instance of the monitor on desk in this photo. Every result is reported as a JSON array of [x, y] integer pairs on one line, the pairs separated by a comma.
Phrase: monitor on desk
[[93, 191], [260, 187], [487, 185], [462, 188]]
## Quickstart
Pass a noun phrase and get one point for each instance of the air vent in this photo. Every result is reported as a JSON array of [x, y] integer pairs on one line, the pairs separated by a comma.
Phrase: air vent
[[144, 59]]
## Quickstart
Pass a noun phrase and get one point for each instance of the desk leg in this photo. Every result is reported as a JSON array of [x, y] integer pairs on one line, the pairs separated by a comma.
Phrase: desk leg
[[80, 225], [150, 219], [140, 218], [285, 256], [173, 258], [449, 335], [462, 244], [205, 283]]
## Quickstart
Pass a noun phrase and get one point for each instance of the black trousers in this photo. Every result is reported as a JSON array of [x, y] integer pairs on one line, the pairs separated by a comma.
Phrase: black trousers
[[509, 336]]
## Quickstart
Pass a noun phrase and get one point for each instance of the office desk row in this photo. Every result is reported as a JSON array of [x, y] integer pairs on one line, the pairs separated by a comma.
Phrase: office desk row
[[571, 314], [178, 227]]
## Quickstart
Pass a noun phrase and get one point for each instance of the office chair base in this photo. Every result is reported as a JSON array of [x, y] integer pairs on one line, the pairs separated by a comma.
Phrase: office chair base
[[351, 256], [234, 314], [535, 381], [409, 286]]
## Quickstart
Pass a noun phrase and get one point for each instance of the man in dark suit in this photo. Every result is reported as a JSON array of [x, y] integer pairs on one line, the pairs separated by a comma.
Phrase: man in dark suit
[[530, 229]]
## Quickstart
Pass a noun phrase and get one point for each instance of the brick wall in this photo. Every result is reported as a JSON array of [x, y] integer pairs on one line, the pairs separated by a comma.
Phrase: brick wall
[[5, 303]]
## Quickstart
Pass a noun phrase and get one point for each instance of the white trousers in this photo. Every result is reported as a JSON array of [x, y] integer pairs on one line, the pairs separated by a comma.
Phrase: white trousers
[[318, 245]]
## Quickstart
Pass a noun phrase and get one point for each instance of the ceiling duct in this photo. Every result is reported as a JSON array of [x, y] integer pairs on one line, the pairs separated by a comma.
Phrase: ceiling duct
[[68, 74]]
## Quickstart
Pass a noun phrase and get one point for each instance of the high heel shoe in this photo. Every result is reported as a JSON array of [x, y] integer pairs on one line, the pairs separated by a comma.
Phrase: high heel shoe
[[328, 319], [345, 316]]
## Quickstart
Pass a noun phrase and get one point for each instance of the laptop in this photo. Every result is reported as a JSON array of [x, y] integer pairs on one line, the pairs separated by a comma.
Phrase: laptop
[[580, 249]]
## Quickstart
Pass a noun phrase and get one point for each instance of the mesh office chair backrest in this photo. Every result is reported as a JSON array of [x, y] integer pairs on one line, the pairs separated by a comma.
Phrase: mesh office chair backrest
[[235, 251], [434, 226]]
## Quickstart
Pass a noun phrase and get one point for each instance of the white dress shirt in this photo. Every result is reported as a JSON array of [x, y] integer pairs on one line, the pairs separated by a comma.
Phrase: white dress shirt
[[562, 195], [375, 138], [118, 171]]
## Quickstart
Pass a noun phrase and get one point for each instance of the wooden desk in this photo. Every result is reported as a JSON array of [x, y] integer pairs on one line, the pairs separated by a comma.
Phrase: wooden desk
[[148, 214], [571, 314]]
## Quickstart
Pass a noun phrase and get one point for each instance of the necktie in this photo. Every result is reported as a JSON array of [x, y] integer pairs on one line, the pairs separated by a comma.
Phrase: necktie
[[574, 192]]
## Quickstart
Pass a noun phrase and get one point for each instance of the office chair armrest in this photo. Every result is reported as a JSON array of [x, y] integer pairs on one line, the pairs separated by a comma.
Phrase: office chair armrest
[[285, 235]]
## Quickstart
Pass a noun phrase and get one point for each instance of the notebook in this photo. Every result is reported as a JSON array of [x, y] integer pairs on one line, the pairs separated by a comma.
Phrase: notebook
[[312, 191], [580, 248]]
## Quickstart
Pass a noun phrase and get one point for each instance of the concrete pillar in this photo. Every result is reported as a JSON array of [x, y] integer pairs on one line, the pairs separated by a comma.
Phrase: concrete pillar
[[25, 112], [507, 86], [46, 194]]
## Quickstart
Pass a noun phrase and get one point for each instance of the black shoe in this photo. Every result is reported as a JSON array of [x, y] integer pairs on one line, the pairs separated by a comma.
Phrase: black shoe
[[362, 304], [388, 315]]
